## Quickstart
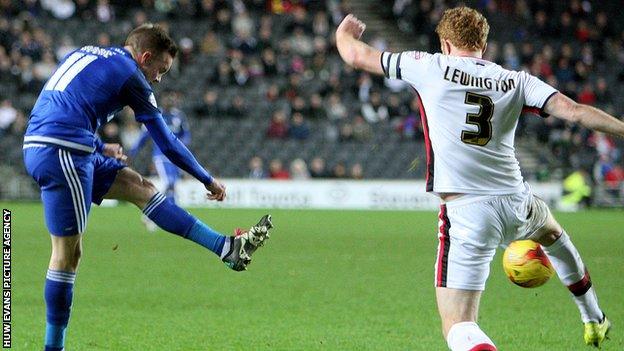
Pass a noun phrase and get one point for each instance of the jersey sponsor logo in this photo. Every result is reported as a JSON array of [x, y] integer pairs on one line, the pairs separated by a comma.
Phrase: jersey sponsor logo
[[74, 64]]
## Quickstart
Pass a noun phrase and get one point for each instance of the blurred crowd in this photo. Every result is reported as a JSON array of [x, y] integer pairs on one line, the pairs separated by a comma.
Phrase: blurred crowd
[[274, 62], [300, 170]]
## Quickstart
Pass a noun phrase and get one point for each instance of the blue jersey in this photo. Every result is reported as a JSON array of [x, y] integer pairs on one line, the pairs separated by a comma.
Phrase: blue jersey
[[90, 85], [177, 123]]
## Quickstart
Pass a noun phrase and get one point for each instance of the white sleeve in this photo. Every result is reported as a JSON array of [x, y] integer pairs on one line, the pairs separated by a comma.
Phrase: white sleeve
[[409, 66], [536, 93]]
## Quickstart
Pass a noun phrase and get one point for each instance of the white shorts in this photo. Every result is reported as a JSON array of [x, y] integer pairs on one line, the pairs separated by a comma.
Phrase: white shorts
[[472, 227]]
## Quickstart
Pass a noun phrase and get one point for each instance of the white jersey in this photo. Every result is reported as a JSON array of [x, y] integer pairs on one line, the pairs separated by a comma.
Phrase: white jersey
[[470, 109]]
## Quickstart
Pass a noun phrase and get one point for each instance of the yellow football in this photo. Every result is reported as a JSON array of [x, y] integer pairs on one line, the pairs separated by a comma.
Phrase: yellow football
[[526, 264]]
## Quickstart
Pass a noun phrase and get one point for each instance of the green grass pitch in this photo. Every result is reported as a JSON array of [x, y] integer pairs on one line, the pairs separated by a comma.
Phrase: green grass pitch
[[327, 280]]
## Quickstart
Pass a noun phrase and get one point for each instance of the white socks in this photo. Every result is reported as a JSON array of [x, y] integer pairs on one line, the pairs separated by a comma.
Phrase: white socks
[[567, 262], [467, 336]]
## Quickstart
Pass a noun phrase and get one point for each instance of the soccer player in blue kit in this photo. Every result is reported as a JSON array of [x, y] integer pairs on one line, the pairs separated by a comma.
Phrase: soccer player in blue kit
[[168, 173], [74, 168], [176, 120]]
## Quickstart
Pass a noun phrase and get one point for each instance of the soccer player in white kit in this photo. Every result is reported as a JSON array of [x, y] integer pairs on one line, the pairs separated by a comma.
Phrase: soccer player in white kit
[[470, 108]]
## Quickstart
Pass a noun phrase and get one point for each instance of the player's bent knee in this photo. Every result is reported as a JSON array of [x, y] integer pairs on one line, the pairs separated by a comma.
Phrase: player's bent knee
[[548, 236], [148, 186], [66, 252], [133, 187], [66, 261]]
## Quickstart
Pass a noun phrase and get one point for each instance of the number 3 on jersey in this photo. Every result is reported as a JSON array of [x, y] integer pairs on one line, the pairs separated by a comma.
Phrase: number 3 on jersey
[[482, 119]]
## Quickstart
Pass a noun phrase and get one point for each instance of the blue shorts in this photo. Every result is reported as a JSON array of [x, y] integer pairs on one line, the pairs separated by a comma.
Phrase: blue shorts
[[69, 182], [167, 171]]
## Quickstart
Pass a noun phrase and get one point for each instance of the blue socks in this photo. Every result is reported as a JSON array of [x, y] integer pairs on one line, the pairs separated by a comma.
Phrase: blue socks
[[207, 237], [59, 291], [170, 217]]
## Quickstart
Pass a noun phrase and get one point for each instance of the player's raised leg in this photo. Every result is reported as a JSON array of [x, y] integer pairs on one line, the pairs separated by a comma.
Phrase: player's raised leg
[[572, 272], [235, 251]]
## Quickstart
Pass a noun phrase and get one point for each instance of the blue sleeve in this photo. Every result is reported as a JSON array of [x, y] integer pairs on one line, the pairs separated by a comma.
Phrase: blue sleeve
[[138, 94], [175, 151], [99, 144], [139, 145]]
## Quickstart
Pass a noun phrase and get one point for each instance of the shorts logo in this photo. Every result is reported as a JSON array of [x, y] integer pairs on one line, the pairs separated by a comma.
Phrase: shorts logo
[[152, 100]]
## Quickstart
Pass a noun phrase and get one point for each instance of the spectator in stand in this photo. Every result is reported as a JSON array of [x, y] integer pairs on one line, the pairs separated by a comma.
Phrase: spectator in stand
[[242, 24], [603, 94], [299, 170], [298, 105], [103, 39], [294, 87], [587, 95], [409, 127], [317, 168], [256, 168], [223, 23], [336, 110], [604, 145], [186, 54], [245, 42], [614, 179], [238, 108], [396, 107], [339, 171], [104, 11], [211, 45], [346, 132], [278, 128], [8, 115], [301, 43], [362, 131], [277, 171], [265, 36], [209, 107], [316, 109], [269, 62], [43, 69], [222, 75], [375, 111], [299, 128], [67, 46], [357, 172]]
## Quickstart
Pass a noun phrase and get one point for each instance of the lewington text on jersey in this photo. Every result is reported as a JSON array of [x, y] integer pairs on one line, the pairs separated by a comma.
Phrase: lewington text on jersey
[[460, 77]]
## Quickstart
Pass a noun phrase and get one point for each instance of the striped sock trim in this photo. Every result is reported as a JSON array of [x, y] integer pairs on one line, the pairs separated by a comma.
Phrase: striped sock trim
[[156, 200], [581, 287], [75, 187], [484, 347], [60, 276]]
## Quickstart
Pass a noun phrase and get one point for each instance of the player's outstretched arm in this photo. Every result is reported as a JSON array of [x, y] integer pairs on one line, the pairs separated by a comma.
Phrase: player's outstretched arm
[[139, 96], [182, 157], [355, 52], [590, 117]]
